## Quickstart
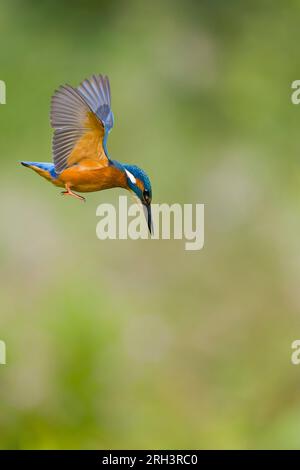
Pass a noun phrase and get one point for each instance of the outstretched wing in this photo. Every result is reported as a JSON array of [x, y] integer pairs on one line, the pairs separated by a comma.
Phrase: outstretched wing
[[81, 118]]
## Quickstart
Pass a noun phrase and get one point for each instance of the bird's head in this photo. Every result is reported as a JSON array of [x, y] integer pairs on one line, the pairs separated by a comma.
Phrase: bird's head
[[139, 182]]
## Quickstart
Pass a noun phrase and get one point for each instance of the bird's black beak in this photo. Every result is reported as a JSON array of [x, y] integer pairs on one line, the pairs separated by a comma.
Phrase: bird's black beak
[[148, 215]]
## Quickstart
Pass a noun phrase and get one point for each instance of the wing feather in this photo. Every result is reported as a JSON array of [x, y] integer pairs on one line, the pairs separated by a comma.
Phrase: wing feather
[[81, 118]]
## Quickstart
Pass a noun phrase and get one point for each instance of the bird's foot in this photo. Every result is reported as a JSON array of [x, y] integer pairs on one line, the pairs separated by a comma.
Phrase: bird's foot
[[68, 192]]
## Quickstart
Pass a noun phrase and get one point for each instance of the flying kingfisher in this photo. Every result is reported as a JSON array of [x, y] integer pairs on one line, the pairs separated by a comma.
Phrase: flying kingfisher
[[82, 119]]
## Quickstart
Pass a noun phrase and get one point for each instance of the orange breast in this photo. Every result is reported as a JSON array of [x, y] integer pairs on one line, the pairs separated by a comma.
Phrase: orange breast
[[89, 177]]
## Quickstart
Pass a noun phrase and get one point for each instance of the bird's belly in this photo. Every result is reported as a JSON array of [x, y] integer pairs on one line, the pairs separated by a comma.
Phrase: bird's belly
[[86, 180]]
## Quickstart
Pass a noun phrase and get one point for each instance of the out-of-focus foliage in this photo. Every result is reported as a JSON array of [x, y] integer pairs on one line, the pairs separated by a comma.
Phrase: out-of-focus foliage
[[140, 344]]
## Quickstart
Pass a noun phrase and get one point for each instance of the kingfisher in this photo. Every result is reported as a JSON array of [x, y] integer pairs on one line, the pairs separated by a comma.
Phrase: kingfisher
[[82, 119]]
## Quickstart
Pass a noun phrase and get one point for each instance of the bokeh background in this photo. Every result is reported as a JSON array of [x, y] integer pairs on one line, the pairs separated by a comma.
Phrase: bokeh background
[[141, 344]]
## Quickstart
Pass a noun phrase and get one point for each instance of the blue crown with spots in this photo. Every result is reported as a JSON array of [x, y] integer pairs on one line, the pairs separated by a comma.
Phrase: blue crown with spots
[[140, 174]]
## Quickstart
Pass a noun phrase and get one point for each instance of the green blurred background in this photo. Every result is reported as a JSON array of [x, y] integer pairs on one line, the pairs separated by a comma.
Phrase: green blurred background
[[141, 344]]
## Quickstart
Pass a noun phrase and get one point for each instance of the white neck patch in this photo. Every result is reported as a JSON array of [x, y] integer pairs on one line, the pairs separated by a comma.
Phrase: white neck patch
[[131, 177]]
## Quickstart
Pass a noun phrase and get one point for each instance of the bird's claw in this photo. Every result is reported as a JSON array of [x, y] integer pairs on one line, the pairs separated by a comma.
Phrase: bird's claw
[[70, 193]]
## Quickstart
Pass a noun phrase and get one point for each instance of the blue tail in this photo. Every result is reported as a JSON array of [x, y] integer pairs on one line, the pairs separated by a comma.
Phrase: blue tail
[[44, 166]]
